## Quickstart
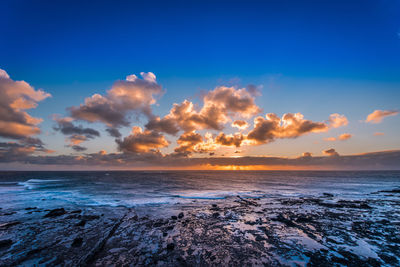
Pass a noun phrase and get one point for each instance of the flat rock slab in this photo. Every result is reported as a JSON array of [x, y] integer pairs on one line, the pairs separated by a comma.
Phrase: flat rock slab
[[231, 232]]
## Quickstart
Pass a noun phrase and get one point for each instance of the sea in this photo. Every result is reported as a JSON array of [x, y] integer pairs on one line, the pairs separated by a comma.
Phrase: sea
[[20, 189]]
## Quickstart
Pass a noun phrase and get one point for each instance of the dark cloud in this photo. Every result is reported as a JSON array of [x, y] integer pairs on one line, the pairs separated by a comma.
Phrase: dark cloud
[[385, 160], [65, 126], [113, 132], [78, 148], [166, 125], [76, 134]]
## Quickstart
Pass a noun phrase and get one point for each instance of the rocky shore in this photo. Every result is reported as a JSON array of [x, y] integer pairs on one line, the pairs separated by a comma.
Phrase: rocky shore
[[312, 231]]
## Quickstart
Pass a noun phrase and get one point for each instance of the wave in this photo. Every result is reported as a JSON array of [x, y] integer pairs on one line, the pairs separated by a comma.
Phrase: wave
[[37, 183]]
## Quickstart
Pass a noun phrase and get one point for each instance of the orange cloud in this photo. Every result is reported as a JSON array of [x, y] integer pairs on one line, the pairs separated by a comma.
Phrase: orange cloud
[[345, 136], [229, 140], [341, 137], [187, 142], [218, 106], [76, 139], [15, 98], [378, 115], [240, 124], [133, 94], [379, 134], [289, 126], [142, 141], [330, 152], [337, 120]]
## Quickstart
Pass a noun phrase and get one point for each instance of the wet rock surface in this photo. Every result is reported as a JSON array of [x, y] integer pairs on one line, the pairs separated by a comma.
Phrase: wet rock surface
[[237, 231]]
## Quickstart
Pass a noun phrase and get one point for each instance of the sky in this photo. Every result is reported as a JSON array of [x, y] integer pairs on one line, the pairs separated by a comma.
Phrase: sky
[[200, 84]]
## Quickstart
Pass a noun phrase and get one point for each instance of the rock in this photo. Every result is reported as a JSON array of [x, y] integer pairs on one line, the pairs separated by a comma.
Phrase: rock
[[159, 223], [9, 213], [215, 214], [81, 223], [77, 242], [7, 225], [76, 211], [90, 217], [180, 215], [165, 234], [55, 213], [304, 219], [30, 208], [384, 221], [214, 205], [73, 216], [173, 217], [259, 238], [170, 246], [397, 190], [5, 243], [365, 206], [327, 195], [389, 259], [283, 219]]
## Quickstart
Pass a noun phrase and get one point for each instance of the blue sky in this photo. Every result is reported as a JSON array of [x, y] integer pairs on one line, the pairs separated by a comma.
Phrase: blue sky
[[312, 57]]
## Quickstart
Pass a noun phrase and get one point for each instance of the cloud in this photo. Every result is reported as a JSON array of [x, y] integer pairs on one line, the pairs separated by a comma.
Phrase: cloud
[[341, 137], [15, 98], [382, 160], [379, 134], [306, 155], [289, 126], [192, 142], [76, 134], [167, 124], [113, 132], [330, 152], [140, 141], [187, 142], [218, 106], [345, 136], [65, 126], [76, 139], [240, 124], [337, 120], [78, 148], [133, 94], [378, 115], [13, 151], [230, 140]]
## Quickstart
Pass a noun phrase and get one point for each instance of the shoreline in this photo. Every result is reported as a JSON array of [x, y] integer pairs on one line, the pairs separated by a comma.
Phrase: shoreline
[[236, 231]]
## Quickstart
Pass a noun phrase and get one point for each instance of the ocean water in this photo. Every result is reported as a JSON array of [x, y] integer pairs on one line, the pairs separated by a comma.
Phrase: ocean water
[[134, 188]]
